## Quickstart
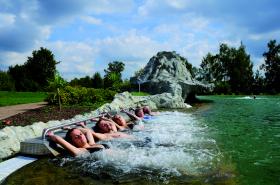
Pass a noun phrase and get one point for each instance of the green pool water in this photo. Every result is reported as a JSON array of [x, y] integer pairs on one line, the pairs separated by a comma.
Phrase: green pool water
[[245, 131]]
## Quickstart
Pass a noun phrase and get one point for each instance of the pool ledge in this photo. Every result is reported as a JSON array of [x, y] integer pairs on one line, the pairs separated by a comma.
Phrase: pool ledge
[[9, 166]]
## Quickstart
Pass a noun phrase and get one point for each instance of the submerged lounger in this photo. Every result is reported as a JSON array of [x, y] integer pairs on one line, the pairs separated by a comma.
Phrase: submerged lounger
[[40, 146]]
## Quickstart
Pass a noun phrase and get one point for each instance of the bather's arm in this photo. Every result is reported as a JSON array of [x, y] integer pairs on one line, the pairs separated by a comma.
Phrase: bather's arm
[[131, 115], [59, 140], [99, 136]]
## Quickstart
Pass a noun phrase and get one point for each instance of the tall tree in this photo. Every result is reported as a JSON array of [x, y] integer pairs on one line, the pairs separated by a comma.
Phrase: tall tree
[[272, 67], [258, 83], [240, 71], [113, 74], [6, 82], [35, 73], [230, 70], [210, 68], [97, 81], [18, 75], [41, 67]]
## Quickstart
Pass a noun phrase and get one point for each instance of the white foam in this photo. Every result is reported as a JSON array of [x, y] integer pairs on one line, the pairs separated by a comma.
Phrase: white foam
[[173, 143]]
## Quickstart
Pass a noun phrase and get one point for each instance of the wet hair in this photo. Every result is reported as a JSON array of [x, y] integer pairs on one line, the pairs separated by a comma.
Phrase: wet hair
[[96, 128], [114, 118], [146, 110], [137, 110], [68, 137]]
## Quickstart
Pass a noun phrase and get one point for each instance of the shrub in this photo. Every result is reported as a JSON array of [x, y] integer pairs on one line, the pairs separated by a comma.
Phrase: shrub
[[82, 96]]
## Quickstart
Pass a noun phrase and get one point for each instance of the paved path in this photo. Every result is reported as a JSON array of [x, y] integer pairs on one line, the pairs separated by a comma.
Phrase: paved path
[[9, 111]]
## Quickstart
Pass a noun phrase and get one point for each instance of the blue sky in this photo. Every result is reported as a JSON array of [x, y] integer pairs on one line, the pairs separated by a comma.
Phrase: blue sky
[[86, 35]]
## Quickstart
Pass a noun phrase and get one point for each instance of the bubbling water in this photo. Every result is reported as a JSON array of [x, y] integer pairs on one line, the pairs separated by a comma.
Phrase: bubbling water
[[171, 144]]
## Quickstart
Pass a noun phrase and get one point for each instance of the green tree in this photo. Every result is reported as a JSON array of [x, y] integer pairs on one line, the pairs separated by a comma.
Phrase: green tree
[[113, 74], [210, 68], [240, 70], [74, 82], [138, 73], [55, 85], [41, 67], [35, 73], [272, 67], [97, 81], [85, 82], [6, 82], [258, 83], [230, 70], [18, 75]]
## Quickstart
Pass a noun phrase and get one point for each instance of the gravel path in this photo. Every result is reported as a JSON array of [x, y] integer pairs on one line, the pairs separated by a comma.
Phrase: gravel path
[[12, 110]]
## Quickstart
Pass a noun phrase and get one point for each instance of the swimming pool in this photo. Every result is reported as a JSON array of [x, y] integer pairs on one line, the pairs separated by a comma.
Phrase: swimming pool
[[173, 148]]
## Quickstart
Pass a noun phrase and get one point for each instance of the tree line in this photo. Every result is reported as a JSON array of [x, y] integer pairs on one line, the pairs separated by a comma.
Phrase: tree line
[[39, 73], [230, 70]]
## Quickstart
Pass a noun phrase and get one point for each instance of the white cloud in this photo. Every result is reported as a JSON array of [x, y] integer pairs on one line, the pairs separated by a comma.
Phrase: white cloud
[[264, 36], [133, 49], [77, 58], [12, 58], [91, 20], [178, 4], [7, 19], [109, 7]]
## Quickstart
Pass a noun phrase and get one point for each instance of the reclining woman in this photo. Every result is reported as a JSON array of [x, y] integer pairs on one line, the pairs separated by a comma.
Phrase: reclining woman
[[135, 123], [144, 112], [77, 141], [106, 129]]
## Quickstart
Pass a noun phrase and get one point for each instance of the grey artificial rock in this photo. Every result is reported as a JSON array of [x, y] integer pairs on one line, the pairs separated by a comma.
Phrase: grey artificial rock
[[167, 73]]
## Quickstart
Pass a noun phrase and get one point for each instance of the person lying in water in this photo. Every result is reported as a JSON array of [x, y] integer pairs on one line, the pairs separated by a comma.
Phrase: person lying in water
[[135, 123], [106, 129], [120, 123], [147, 110], [77, 142], [98, 136], [142, 111]]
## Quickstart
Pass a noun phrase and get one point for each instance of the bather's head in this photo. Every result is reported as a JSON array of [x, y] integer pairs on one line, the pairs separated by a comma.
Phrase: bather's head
[[139, 112], [147, 110], [119, 120], [103, 126], [76, 137]]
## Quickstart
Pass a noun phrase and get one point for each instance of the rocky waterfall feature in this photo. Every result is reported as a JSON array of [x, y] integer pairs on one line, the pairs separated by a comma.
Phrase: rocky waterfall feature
[[167, 73]]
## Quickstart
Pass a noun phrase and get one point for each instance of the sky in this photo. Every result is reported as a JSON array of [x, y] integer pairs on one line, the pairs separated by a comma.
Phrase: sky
[[85, 35]]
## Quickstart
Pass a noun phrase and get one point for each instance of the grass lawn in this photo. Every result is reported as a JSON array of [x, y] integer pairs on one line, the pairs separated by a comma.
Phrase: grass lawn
[[140, 94], [14, 98]]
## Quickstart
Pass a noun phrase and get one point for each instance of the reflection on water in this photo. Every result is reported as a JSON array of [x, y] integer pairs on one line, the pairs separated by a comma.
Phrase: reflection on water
[[173, 148]]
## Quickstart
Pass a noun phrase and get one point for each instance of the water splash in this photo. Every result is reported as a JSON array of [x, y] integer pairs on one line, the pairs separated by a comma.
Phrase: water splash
[[172, 144]]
